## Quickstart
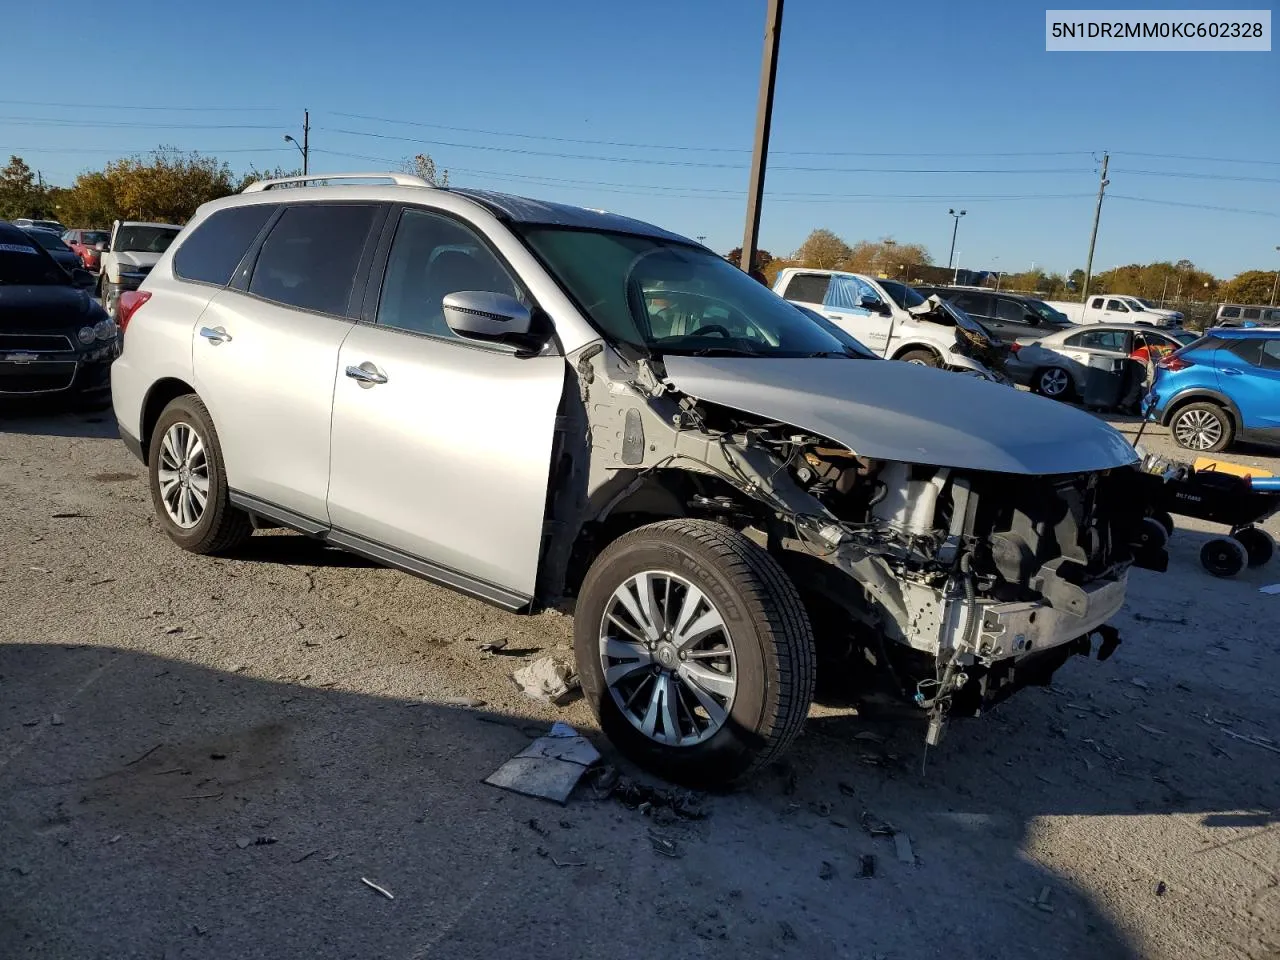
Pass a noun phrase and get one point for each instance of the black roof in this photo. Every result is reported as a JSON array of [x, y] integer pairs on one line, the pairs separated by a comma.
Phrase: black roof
[[9, 233], [524, 210]]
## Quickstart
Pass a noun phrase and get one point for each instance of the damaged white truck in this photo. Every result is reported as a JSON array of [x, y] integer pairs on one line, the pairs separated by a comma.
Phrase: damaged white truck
[[546, 406]]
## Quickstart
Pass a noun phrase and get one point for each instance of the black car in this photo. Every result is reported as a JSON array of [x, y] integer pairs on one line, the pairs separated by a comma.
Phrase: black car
[[55, 339], [1010, 316], [62, 255]]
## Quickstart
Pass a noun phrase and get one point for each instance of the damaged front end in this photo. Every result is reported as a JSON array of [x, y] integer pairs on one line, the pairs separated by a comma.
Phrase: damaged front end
[[944, 556], [974, 350]]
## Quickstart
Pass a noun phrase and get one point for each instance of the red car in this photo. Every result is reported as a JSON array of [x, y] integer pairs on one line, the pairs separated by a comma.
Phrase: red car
[[84, 243]]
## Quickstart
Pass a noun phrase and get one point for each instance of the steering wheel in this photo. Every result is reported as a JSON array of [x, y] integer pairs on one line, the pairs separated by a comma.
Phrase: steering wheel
[[712, 328]]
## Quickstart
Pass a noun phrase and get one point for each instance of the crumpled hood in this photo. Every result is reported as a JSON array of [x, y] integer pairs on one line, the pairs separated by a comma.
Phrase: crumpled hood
[[899, 411], [35, 308], [137, 258]]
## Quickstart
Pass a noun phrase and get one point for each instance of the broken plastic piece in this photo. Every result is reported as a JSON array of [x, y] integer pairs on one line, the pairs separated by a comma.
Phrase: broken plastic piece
[[550, 767]]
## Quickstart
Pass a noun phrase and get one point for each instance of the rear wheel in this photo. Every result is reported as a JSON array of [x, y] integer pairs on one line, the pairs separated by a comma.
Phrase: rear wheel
[[1257, 544], [921, 357], [1224, 556], [1054, 382], [1203, 427], [189, 482], [694, 650]]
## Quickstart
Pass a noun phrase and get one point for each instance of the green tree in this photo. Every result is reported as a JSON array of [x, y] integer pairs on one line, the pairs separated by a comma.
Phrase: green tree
[[1252, 286], [19, 195], [763, 257], [823, 250], [168, 185], [423, 166], [886, 256]]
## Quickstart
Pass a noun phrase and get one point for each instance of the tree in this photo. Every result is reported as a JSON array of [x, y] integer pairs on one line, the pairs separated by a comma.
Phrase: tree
[[19, 195], [423, 166], [823, 250], [763, 257], [886, 256], [1252, 286], [276, 173], [167, 186]]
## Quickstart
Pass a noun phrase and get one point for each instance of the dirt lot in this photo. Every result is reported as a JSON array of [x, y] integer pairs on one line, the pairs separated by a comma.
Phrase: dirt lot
[[160, 713]]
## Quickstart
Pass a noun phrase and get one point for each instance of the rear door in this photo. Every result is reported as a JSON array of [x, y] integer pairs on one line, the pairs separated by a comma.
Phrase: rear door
[[1249, 373], [442, 445], [980, 306], [265, 352]]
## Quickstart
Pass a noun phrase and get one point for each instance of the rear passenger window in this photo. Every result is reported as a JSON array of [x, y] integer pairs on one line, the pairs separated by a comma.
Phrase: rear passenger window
[[310, 258], [211, 252], [808, 287], [1271, 355], [432, 257], [1253, 313], [1250, 351]]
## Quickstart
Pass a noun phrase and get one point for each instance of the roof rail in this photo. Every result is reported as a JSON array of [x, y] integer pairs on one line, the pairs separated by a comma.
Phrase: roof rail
[[400, 179]]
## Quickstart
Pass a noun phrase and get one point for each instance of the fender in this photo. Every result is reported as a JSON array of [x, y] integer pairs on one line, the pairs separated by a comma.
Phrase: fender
[[1192, 394]]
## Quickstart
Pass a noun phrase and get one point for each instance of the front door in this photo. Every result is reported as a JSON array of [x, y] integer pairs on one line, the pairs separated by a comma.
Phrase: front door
[[442, 445], [844, 306]]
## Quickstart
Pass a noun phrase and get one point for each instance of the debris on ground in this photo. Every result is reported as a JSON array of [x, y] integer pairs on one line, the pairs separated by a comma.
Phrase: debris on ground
[[867, 866], [1161, 887], [492, 646], [464, 702], [1140, 683], [875, 826], [56, 720], [827, 871], [382, 890], [1172, 621], [537, 827], [545, 680], [550, 767], [1154, 731], [869, 736], [145, 755], [902, 846], [245, 842], [1270, 589], [1041, 900], [1262, 742], [787, 930], [664, 804], [665, 846]]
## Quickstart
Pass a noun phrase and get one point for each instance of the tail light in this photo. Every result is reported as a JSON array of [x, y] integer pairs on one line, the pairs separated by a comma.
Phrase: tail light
[[1174, 363], [1015, 346], [130, 301]]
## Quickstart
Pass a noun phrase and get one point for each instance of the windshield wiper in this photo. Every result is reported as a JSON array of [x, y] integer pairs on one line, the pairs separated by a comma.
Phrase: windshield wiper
[[841, 354], [724, 352]]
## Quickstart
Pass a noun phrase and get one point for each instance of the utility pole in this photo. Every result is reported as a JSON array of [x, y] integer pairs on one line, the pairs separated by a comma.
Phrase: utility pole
[[1093, 237], [956, 227], [764, 121], [304, 148], [1275, 283]]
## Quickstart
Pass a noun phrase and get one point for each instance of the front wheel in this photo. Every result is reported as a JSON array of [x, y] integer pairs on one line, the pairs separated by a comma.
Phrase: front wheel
[[694, 651], [922, 358], [189, 482]]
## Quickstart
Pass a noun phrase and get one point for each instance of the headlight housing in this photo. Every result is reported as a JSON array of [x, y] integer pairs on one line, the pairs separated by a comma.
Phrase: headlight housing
[[105, 329], [87, 335]]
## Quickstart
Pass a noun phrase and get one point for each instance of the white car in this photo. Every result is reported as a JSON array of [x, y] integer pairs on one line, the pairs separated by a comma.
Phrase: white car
[[547, 406], [893, 320], [1117, 308], [127, 258]]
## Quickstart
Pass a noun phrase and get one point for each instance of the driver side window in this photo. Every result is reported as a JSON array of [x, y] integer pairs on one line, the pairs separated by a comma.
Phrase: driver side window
[[431, 257], [847, 293]]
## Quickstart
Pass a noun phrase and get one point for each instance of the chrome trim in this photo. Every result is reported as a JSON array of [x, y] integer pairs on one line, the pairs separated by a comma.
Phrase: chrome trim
[[70, 348]]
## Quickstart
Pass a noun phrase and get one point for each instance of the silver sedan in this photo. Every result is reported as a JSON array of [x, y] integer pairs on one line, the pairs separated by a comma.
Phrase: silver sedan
[[1059, 365]]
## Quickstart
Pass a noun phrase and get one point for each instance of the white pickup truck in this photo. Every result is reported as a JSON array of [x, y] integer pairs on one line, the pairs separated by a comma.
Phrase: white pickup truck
[[128, 257], [1118, 308]]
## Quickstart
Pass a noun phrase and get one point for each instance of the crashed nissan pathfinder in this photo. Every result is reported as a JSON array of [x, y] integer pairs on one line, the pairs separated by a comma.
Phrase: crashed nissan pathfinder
[[546, 406]]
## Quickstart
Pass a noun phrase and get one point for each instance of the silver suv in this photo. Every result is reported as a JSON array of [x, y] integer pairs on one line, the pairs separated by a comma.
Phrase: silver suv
[[542, 405]]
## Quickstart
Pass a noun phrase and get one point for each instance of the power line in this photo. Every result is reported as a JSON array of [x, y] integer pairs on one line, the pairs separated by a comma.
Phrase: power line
[[130, 124], [1196, 206], [119, 106], [149, 151], [1186, 175], [1180, 156]]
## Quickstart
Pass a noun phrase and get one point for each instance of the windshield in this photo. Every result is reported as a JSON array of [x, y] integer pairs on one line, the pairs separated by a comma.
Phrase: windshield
[[1134, 304], [47, 240], [1146, 303], [1046, 312], [661, 296], [23, 264], [902, 295], [95, 236], [145, 239]]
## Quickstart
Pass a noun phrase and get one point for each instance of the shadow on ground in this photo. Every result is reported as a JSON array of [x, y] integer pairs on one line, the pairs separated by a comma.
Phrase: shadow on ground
[[150, 807]]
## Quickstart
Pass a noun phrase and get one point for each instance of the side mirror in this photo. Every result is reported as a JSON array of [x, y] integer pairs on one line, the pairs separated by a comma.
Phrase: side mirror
[[82, 278], [101, 246], [872, 303], [479, 315]]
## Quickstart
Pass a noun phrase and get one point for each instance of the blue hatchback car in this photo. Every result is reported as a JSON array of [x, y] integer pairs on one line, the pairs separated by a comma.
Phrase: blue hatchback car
[[1223, 387]]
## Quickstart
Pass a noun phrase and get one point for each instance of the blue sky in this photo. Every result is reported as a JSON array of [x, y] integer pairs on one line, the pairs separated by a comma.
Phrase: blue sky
[[927, 86]]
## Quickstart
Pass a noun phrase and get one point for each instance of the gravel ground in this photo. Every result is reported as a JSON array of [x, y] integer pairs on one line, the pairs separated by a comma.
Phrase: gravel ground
[[203, 758]]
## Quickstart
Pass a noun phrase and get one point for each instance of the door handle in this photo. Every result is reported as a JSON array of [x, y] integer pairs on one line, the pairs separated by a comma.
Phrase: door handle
[[215, 334], [366, 374], [1229, 372]]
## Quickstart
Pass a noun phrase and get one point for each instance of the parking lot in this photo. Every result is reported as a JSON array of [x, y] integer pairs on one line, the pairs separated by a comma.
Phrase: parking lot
[[204, 757]]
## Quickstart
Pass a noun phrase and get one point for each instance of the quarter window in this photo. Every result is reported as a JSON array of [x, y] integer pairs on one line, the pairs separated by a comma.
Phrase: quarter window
[[1271, 355], [213, 250], [974, 304], [310, 258], [432, 257], [808, 287]]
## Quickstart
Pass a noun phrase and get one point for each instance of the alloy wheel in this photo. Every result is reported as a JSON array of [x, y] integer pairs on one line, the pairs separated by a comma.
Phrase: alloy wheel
[[668, 658], [1198, 430], [183, 472], [1054, 382]]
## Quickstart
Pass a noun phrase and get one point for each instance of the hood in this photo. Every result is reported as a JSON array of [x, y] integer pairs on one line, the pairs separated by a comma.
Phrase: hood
[[32, 309], [910, 413], [137, 258]]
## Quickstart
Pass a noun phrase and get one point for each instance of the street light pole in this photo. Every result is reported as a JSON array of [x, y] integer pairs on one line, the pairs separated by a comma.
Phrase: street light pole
[[304, 148], [955, 279], [764, 121], [954, 229]]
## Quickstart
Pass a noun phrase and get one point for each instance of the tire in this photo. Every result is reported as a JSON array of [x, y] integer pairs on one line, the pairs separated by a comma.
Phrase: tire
[[764, 646], [1224, 556], [1154, 534], [1165, 519], [1258, 544], [1202, 427], [1054, 383], [110, 297], [218, 526], [921, 357]]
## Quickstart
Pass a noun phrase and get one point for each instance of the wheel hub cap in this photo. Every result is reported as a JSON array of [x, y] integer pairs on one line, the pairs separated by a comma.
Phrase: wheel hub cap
[[182, 471], [668, 659]]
